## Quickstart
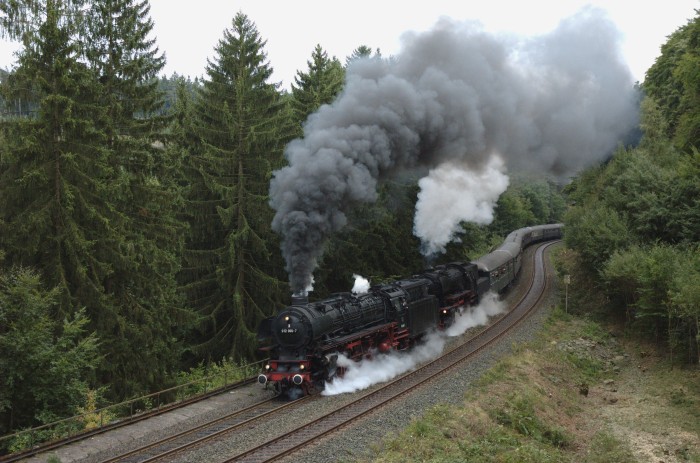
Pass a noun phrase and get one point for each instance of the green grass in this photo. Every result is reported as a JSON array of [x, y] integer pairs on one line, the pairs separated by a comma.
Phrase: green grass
[[605, 448], [519, 410]]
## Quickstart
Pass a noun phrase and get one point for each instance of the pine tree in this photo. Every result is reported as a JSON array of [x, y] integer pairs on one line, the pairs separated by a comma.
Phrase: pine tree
[[230, 262], [319, 85]]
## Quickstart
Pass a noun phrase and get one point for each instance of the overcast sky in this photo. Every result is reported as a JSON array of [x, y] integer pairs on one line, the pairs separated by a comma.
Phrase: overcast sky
[[187, 30]]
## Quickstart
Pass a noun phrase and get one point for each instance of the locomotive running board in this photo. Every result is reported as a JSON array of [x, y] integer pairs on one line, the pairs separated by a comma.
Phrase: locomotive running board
[[351, 337]]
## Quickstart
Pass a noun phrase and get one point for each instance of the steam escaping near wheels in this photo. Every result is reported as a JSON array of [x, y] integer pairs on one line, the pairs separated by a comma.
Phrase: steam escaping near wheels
[[459, 95], [384, 367], [490, 306]]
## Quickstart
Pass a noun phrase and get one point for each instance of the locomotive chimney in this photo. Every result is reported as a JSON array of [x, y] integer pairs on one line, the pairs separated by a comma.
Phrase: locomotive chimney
[[300, 298]]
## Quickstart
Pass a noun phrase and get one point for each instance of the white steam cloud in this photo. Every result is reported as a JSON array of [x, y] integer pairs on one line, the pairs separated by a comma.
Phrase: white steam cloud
[[384, 367], [361, 285], [452, 194], [489, 306]]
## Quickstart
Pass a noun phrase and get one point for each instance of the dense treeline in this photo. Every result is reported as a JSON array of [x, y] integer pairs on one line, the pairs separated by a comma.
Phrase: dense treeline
[[635, 222], [135, 237]]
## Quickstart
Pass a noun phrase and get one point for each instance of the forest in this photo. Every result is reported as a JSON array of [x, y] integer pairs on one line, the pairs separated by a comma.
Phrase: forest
[[135, 229]]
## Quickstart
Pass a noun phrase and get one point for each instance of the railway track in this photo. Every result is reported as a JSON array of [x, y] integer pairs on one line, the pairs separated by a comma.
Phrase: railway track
[[186, 440], [307, 433], [83, 436]]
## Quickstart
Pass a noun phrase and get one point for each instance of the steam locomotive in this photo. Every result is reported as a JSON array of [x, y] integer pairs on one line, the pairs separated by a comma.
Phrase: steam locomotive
[[303, 340]]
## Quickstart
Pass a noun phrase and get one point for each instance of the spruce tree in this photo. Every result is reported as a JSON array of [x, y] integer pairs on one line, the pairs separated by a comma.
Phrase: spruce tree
[[146, 310], [319, 85], [231, 261], [89, 183], [52, 180], [361, 52]]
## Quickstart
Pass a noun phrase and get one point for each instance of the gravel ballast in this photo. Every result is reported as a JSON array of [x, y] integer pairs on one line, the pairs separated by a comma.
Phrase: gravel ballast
[[353, 441]]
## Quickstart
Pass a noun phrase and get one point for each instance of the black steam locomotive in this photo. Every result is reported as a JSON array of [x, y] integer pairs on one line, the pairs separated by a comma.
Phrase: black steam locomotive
[[303, 341]]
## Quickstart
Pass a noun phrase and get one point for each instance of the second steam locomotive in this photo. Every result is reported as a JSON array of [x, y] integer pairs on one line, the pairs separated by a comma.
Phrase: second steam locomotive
[[303, 341]]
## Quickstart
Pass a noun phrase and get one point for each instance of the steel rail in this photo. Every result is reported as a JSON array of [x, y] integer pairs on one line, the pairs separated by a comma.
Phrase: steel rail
[[200, 434], [311, 432], [53, 445], [206, 432]]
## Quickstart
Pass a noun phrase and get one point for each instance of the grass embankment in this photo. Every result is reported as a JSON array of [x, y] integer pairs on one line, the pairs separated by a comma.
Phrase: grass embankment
[[576, 394]]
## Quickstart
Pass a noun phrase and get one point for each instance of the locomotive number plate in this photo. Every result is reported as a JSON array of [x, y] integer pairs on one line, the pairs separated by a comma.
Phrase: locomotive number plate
[[288, 330]]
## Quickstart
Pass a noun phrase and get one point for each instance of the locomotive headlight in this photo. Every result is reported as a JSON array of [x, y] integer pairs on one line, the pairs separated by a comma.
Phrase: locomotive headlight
[[444, 311], [267, 366], [301, 367], [286, 318]]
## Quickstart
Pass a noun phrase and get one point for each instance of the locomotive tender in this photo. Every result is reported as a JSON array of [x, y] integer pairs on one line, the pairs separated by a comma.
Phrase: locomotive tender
[[303, 340]]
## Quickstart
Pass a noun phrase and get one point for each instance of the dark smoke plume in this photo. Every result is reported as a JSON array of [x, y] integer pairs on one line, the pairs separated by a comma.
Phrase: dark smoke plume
[[456, 94]]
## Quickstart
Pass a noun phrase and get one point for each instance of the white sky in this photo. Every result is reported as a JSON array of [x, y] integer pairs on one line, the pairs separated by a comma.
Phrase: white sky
[[187, 31]]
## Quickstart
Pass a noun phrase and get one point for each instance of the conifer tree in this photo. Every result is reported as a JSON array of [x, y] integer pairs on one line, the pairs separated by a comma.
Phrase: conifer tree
[[32, 341], [145, 259], [319, 85], [230, 261], [53, 165], [88, 182], [361, 52]]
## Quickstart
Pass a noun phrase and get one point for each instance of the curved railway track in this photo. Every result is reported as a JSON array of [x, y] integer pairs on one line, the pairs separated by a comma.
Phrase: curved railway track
[[307, 433]]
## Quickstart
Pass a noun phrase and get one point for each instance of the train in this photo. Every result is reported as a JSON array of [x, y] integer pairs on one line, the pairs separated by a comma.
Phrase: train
[[303, 341]]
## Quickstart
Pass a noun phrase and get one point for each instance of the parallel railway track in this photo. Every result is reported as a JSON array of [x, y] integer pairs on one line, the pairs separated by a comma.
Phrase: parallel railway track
[[201, 434], [305, 434], [49, 446]]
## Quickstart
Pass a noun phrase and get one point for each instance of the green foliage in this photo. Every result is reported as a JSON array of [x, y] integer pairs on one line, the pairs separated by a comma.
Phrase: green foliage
[[378, 242], [635, 224], [660, 284], [45, 365], [661, 81], [142, 313], [642, 276], [90, 189], [205, 377], [91, 415], [674, 81], [527, 201], [512, 211], [596, 232], [316, 87], [362, 52], [233, 139]]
